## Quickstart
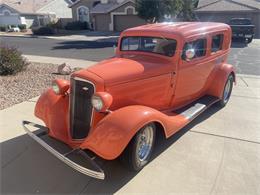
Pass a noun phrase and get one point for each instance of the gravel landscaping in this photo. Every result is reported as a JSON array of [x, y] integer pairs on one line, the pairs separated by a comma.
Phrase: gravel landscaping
[[27, 84]]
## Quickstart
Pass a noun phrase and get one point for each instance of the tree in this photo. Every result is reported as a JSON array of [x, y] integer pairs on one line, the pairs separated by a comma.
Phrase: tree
[[158, 10], [148, 10], [186, 13]]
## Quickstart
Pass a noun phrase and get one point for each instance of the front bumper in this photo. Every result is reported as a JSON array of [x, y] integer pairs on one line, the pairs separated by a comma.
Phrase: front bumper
[[98, 173], [241, 35]]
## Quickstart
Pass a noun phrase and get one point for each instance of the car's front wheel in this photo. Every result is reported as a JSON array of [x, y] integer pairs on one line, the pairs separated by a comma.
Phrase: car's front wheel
[[139, 150], [227, 91]]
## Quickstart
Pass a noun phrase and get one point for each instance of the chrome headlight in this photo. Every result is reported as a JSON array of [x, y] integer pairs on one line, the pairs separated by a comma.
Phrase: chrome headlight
[[60, 86], [97, 103], [55, 87]]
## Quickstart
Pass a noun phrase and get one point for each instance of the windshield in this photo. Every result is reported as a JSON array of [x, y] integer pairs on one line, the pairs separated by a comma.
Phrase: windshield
[[240, 22], [156, 45]]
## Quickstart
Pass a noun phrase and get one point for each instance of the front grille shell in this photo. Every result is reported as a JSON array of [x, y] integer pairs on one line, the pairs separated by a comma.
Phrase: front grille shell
[[81, 110]]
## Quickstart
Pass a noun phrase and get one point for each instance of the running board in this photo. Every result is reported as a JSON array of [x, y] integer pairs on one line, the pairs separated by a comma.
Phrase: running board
[[192, 110]]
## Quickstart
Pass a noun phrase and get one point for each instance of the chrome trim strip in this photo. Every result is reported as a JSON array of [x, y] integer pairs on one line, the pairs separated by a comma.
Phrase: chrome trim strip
[[79, 168], [92, 114]]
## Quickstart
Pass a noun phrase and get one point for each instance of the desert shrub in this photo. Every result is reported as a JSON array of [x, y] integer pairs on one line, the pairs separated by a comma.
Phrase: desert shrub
[[3, 28], [45, 30], [11, 61], [55, 25], [22, 26], [77, 26]]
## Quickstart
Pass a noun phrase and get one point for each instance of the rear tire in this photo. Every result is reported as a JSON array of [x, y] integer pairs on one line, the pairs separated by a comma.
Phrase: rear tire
[[139, 150], [249, 40], [227, 91]]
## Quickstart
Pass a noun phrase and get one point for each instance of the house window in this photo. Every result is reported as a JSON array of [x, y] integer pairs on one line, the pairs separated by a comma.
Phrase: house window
[[41, 21], [130, 11], [83, 14], [217, 42], [7, 13]]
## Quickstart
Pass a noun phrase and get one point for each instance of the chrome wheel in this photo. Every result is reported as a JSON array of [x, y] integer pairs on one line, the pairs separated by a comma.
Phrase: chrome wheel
[[145, 143], [227, 90], [139, 150]]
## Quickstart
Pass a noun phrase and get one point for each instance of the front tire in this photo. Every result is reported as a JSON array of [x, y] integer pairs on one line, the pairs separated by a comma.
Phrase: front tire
[[227, 91], [139, 150]]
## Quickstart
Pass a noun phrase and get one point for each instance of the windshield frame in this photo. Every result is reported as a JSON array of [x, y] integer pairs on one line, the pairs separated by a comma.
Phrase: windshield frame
[[149, 52]]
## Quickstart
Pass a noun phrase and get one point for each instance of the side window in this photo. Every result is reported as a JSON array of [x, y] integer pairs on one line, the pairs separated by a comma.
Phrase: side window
[[217, 42], [199, 46], [130, 44]]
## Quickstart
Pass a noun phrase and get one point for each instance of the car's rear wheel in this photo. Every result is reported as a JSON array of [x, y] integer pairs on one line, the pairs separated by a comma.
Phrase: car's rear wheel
[[139, 150], [227, 91], [249, 40]]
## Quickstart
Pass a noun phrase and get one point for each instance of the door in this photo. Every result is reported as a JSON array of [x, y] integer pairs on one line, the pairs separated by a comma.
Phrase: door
[[192, 73], [123, 22]]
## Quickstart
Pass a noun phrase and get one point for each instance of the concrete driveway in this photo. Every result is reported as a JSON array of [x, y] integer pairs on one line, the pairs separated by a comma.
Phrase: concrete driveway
[[218, 153]]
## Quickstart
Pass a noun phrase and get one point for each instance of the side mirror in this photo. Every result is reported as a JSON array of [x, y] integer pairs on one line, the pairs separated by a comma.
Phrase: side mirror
[[189, 54]]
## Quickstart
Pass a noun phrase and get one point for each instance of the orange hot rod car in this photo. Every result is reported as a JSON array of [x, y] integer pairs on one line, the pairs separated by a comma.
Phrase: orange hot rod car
[[162, 76]]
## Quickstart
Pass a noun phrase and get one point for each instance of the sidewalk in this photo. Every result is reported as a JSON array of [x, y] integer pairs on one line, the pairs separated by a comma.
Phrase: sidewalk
[[74, 63], [219, 153]]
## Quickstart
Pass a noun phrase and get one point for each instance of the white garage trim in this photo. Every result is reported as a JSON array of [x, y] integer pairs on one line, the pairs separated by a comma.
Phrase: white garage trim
[[112, 14], [9, 13]]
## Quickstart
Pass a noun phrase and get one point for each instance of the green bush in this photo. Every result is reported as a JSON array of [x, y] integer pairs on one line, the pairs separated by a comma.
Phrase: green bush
[[45, 30], [11, 61], [77, 26], [55, 25], [3, 28], [22, 26]]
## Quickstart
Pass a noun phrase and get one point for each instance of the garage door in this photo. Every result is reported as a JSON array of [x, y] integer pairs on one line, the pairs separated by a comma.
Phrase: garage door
[[9, 20], [122, 22]]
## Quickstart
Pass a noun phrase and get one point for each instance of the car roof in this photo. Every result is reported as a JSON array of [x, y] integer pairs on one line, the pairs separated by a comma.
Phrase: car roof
[[183, 29]]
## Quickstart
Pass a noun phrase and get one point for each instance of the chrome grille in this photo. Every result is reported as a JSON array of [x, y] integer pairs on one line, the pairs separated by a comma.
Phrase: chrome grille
[[81, 110]]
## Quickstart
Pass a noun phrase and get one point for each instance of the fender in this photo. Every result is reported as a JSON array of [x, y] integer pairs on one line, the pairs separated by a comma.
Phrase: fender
[[53, 110], [113, 133], [217, 86]]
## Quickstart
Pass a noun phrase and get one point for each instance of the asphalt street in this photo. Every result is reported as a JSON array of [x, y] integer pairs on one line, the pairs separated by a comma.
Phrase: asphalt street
[[244, 57], [86, 50]]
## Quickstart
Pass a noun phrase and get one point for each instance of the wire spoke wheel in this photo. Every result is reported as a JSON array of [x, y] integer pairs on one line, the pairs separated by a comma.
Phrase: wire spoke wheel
[[227, 91], [139, 150], [144, 143]]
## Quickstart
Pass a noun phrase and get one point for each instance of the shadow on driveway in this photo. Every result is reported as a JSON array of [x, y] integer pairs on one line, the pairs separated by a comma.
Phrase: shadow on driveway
[[28, 168], [238, 43], [96, 44]]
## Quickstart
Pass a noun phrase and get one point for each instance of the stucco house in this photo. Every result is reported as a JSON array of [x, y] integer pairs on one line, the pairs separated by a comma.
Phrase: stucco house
[[107, 15], [33, 13], [224, 10]]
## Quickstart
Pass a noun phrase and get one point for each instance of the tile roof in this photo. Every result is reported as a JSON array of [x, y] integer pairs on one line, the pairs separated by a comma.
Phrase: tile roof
[[26, 6], [103, 8], [106, 8], [228, 5]]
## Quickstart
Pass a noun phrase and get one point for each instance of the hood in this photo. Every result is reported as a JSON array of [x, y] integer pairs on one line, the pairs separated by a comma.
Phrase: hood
[[133, 67]]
